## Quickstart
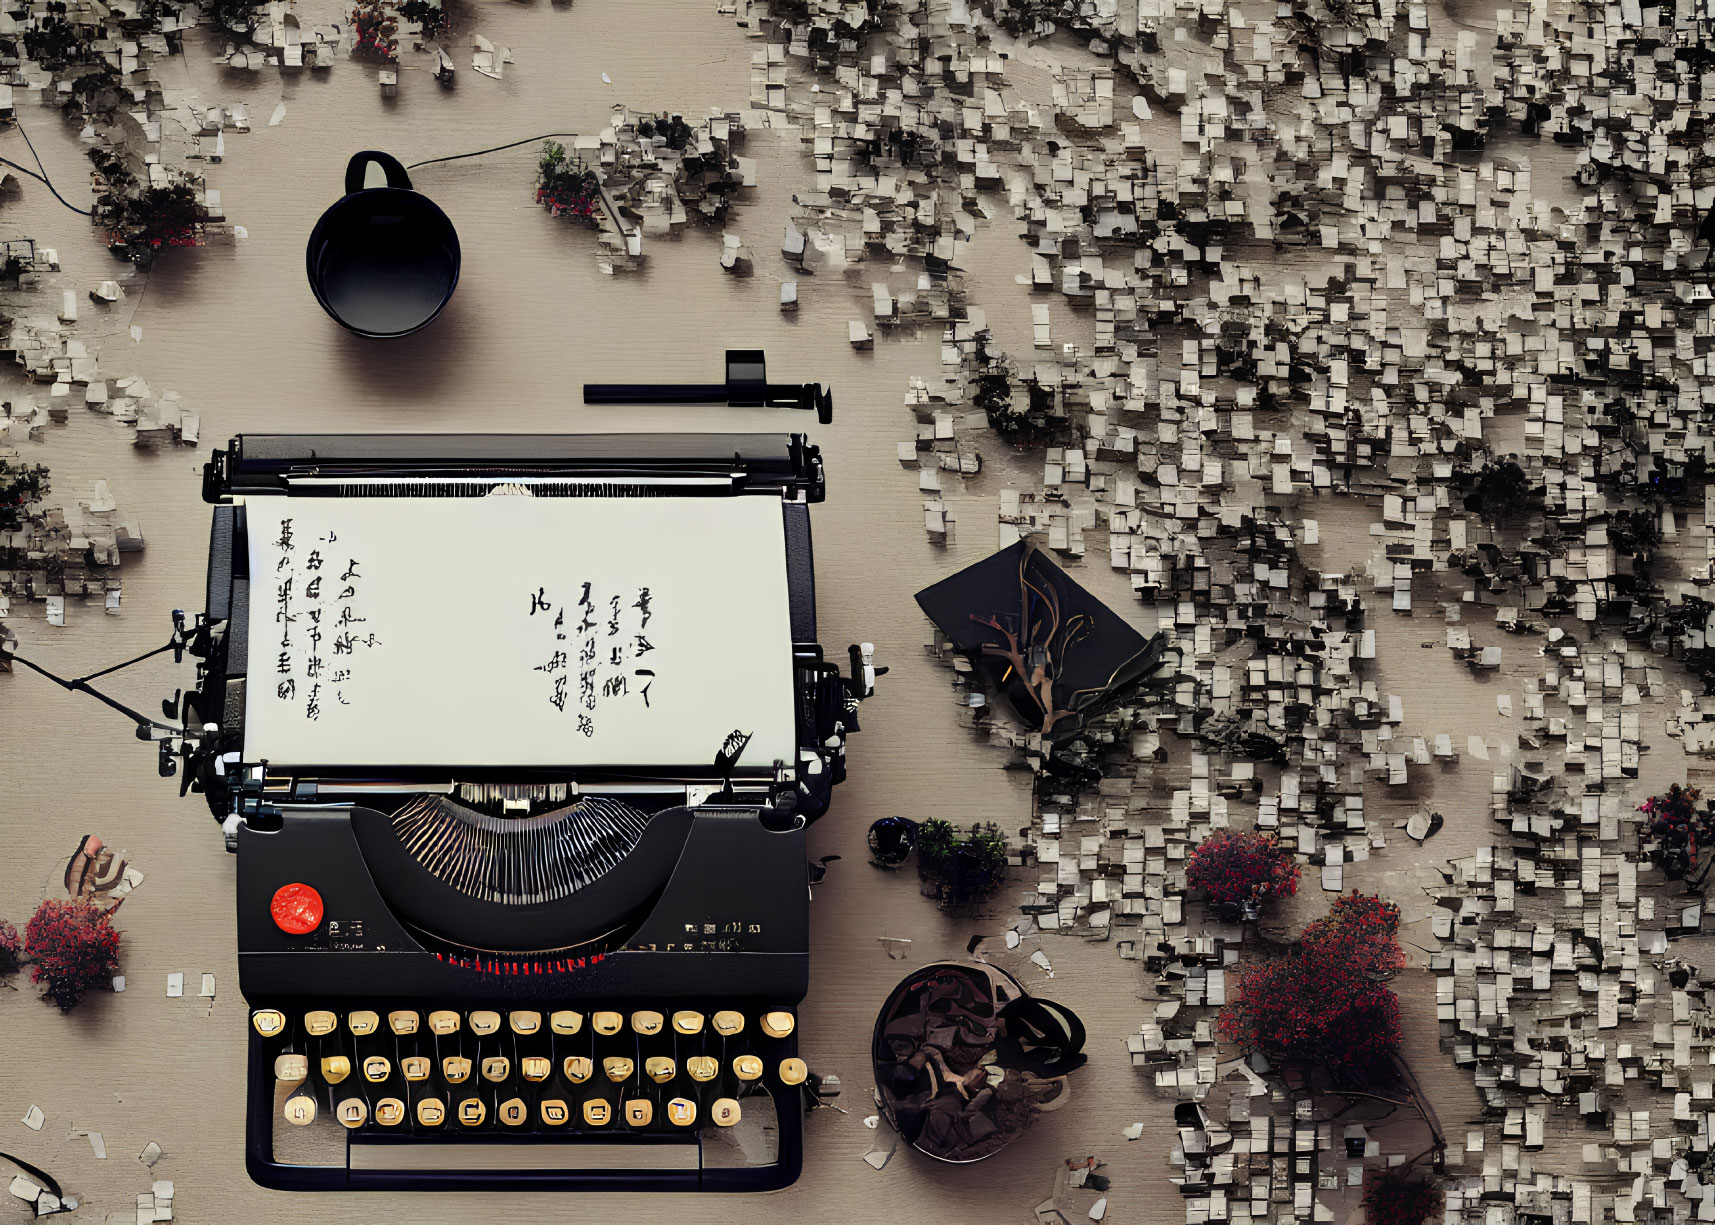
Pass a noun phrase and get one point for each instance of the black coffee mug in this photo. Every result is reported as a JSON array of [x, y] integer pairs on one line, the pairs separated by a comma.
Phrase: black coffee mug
[[382, 261]]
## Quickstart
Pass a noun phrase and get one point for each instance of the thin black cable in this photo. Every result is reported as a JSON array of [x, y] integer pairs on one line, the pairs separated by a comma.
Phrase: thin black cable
[[43, 175], [82, 685], [483, 152], [22, 169], [116, 667]]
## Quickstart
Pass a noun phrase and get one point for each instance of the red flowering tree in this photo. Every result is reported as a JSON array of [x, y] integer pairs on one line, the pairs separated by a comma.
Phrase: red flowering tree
[[1326, 1003], [1676, 806], [73, 948], [565, 186], [1395, 1198], [1235, 867]]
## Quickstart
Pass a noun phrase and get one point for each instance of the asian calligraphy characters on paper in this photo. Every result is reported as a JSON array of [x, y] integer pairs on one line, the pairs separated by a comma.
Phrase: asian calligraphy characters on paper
[[601, 640], [319, 608]]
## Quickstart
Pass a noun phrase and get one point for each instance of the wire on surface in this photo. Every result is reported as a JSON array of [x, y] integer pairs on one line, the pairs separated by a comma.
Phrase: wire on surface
[[483, 152], [43, 176]]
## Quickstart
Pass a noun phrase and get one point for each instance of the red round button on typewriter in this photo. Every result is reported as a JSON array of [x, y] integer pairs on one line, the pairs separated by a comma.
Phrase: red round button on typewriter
[[297, 909]]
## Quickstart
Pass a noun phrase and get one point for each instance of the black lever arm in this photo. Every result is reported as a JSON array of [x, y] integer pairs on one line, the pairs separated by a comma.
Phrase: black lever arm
[[746, 386]]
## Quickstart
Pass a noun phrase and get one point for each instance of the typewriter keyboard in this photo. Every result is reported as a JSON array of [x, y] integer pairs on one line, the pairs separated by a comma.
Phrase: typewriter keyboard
[[650, 1088]]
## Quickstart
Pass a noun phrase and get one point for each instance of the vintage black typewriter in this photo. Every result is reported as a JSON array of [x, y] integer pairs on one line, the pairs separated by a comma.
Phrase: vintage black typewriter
[[516, 739]]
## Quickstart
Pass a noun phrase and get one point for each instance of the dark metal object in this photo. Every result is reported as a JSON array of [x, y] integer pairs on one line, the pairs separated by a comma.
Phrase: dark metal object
[[938, 1028], [746, 386], [471, 465], [382, 261], [891, 840]]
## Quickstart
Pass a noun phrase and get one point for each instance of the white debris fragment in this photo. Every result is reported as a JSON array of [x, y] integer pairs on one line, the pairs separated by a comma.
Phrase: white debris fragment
[[34, 1118], [24, 1189]]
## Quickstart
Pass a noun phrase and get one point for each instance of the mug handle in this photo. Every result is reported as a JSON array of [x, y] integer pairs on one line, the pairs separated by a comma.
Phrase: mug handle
[[358, 168]]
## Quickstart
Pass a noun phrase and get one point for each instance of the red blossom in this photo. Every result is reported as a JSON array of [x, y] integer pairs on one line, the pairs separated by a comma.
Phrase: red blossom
[[73, 948], [1325, 1003], [1395, 1198], [1234, 867]]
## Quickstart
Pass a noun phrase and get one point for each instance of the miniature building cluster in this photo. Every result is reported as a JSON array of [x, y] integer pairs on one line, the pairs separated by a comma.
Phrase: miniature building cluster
[[1342, 269]]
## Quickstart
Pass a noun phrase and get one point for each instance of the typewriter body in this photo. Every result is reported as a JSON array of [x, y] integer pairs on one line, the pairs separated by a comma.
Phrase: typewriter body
[[516, 739]]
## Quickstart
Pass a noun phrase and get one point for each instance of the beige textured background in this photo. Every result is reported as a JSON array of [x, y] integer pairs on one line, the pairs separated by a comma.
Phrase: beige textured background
[[235, 330]]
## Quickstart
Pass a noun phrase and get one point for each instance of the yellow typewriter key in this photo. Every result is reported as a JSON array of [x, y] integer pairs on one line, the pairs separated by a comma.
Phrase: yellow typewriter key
[[444, 1023], [472, 1112], [415, 1067], [352, 1112], [535, 1068], [646, 1023], [578, 1068], [291, 1069], [617, 1067], [729, 1023], [335, 1068], [725, 1112], [688, 1023], [390, 1112], [363, 1023], [319, 1023], [777, 1024], [513, 1112], [747, 1067], [639, 1112], [484, 1023], [681, 1112], [660, 1069], [566, 1022], [524, 1022], [431, 1112], [376, 1069], [554, 1111], [456, 1069], [702, 1067], [300, 1109], [402, 1023], [607, 1023], [268, 1022], [496, 1067], [597, 1112], [793, 1071]]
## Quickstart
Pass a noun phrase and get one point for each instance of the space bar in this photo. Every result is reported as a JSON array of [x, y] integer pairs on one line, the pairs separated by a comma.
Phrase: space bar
[[453, 1155]]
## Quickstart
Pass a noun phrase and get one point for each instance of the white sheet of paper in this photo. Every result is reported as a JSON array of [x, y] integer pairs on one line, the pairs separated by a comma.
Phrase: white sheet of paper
[[443, 645]]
